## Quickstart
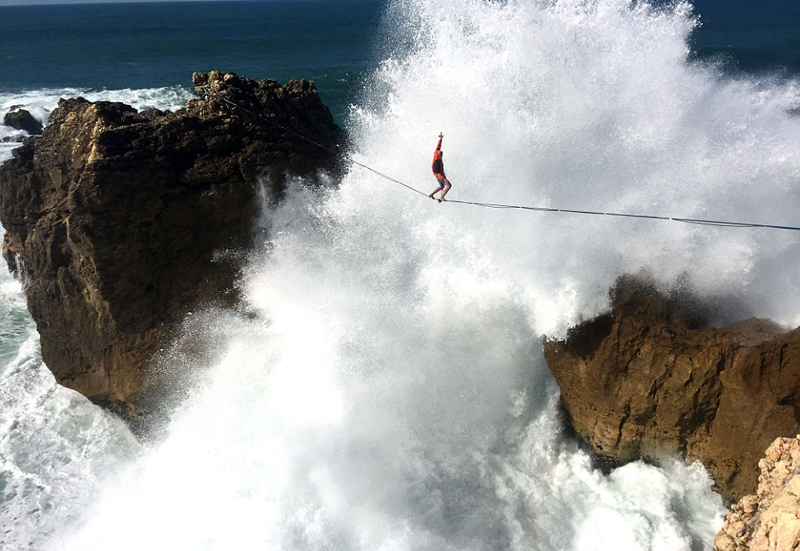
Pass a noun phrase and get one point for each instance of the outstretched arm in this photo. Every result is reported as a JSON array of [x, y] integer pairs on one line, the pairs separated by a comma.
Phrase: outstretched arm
[[439, 145]]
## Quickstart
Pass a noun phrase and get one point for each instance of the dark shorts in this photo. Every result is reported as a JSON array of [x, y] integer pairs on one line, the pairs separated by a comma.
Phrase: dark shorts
[[442, 179]]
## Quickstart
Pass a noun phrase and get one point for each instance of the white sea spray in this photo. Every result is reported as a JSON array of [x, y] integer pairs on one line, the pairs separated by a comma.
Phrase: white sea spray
[[388, 389], [55, 446], [40, 104]]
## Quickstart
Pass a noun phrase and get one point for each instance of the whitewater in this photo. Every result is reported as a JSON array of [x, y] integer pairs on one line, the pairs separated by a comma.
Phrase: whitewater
[[383, 385]]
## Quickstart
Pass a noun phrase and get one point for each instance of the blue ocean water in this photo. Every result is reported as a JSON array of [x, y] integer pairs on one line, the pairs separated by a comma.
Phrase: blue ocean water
[[752, 37], [150, 45], [395, 400], [333, 42]]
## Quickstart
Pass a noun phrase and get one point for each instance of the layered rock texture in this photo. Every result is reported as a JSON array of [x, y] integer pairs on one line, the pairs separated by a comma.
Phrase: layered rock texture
[[117, 219], [650, 377], [770, 519]]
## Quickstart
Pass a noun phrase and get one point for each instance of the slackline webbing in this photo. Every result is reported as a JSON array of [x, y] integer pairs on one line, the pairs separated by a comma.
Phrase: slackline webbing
[[698, 221]]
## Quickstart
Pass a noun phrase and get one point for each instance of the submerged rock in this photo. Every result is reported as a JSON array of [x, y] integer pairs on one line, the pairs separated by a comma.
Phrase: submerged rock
[[21, 119], [770, 519], [650, 377], [115, 219]]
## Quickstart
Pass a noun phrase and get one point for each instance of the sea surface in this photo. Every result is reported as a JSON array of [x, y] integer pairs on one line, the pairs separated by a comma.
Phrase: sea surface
[[139, 46], [391, 392]]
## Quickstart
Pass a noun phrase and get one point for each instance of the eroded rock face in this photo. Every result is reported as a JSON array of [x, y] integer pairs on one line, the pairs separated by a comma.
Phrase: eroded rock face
[[770, 519], [117, 218], [650, 378]]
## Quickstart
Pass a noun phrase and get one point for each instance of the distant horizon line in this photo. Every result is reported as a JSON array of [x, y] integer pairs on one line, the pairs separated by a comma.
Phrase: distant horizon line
[[43, 3]]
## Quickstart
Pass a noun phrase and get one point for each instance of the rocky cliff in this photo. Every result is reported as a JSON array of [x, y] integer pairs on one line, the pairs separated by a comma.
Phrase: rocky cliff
[[770, 519], [651, 377], [116, 218]]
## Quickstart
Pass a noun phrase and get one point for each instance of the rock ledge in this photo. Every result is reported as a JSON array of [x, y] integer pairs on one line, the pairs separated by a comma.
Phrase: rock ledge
[[651, 378], [115, 218], [770, 519]]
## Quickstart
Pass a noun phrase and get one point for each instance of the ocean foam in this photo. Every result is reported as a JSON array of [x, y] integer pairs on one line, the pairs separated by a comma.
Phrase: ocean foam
[[55, 446], [40, 104], [388, 390]]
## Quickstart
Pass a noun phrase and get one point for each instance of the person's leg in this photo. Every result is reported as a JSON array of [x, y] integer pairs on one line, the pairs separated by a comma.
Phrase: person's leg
[[438, 189], [447, 187]]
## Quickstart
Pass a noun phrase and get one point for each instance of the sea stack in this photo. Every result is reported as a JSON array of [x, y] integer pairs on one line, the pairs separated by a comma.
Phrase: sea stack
[[652, 377], [115, 218]]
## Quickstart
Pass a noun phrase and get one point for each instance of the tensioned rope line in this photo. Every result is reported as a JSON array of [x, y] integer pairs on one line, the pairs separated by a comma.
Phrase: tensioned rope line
[[698, 221], [309, 140]]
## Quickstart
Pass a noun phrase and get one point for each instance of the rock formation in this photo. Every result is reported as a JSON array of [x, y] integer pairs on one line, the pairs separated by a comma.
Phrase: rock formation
[[650, 377], [116, 218], [770, 519], [21, 119]]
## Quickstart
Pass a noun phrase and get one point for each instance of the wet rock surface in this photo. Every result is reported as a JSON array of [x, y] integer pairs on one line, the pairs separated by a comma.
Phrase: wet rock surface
[[118, 220], [21, 119], [651, 378]]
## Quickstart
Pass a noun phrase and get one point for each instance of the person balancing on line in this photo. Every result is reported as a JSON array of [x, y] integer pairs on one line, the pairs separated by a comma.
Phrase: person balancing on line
[[438, 171]]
